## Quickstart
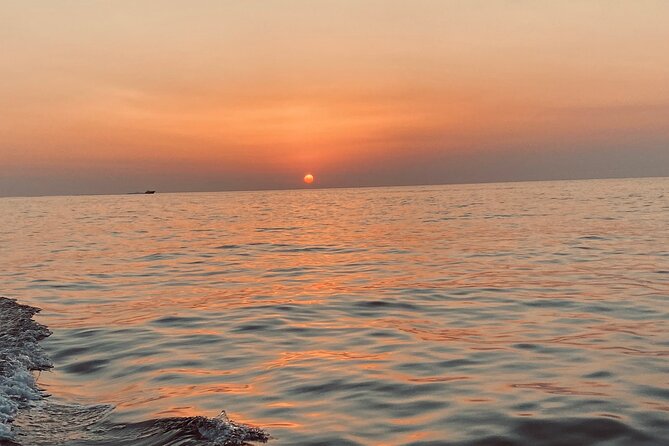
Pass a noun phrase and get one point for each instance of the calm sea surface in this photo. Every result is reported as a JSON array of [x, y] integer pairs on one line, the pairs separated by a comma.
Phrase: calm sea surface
[[526, 313]]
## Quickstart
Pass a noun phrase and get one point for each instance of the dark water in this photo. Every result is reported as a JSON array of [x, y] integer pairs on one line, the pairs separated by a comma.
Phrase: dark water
[[520, 313]]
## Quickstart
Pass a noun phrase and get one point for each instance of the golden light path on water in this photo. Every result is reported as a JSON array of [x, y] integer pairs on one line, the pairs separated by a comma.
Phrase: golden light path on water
[[360, 316]]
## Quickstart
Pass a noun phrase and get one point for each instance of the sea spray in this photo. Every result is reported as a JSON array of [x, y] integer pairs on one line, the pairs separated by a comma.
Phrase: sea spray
[[20, 354], [28, 417]]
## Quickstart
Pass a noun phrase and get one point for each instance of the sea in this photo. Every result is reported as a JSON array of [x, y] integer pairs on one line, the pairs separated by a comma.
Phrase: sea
[[532, 313]]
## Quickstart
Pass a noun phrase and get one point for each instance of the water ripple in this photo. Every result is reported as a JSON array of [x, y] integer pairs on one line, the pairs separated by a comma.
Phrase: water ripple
[[520, 314]]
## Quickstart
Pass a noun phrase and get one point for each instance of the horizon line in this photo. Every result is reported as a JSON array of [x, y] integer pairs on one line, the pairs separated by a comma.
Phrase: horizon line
[[317, 188]]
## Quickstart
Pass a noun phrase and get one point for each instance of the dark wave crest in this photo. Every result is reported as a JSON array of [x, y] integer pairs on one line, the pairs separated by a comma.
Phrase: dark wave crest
[[28, 417]]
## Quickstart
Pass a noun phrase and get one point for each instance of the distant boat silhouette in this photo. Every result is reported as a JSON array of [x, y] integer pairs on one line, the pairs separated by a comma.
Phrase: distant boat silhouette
[[142, 193]]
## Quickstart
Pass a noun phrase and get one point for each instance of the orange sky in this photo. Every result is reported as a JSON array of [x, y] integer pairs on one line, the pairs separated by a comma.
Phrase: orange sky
[[99, 97]]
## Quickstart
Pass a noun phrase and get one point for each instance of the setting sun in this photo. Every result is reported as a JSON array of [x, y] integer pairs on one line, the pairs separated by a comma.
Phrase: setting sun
[[435, 277]]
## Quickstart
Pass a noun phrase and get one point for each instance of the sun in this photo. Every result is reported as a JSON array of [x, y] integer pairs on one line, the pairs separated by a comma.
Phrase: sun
[[308, 178]]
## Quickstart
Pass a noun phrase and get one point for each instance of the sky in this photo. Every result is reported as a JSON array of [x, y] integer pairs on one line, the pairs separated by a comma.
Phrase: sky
[[121, 96]]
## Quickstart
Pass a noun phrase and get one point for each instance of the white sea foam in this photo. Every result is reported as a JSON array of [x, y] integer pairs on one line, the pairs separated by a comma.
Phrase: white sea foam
[[221, 431], [27, 417], [20, 354]]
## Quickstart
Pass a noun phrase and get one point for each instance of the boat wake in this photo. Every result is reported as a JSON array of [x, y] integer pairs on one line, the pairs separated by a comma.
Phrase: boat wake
[[29, 417]]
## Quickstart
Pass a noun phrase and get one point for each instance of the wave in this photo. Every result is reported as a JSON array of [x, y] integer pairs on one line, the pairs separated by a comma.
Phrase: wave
[[29, 417]]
